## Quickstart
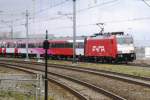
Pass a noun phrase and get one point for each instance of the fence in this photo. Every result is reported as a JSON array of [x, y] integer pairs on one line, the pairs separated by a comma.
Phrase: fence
[[21, 86]]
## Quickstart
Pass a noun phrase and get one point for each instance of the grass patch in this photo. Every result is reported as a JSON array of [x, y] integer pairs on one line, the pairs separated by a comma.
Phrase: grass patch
[[9, 95], [132, 70], [15, 96]]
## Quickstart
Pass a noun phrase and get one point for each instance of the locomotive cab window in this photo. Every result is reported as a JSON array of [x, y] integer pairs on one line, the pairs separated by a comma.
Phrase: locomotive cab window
[[125, 40]]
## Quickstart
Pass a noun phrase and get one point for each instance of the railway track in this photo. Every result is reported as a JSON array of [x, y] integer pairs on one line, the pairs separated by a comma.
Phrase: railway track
[[142, 65], [91, 70], [84, 68], [140, 81], [91, 92], [74, 92]]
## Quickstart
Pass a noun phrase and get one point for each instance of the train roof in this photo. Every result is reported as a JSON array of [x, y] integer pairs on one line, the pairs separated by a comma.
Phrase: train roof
[[107, 34]]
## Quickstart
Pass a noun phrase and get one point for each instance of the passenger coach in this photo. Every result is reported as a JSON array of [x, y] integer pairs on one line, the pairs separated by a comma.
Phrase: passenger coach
[[107, 47]]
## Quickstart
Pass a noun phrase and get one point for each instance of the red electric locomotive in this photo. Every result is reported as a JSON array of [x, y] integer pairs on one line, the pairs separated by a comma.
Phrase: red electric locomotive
[[107, 47]]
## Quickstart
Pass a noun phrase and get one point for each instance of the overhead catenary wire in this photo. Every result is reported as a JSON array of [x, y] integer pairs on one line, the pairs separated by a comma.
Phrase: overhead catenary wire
[[40, 11], [78, 11], [98, 5], [146, 3], [53, 6], [84, 9], [63, 2], [113, 21], [109, 22]]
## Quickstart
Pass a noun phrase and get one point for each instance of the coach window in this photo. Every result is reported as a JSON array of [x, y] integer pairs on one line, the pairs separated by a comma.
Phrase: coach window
[[70, 45], [15, 44], [80, 45], [67, 45], [39, 45], [21, 45], [12, 45], [77, 45], [61, 45], [3, 45], [31, 45], [18, 45], [52, 45], [56, 45], [35, 45], [0, 45], [8, 45]]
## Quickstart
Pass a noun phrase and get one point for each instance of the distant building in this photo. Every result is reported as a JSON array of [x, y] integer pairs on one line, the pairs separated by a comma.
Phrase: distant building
[[5, 35], [41, 36], [142, 43], [8, 35], [147, 52], [17, 34], [143, 52], [71, 38], [140, 52]]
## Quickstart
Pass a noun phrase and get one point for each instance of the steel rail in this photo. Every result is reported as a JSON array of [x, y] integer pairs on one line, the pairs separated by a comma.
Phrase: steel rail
[[141, 65], [91, 69], [128, 64], [98, 89], [107, 74], [113, 75], [74, 92], [98, 70]]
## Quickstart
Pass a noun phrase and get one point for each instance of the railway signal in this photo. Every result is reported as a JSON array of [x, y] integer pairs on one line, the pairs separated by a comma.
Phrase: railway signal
[[46, 46]]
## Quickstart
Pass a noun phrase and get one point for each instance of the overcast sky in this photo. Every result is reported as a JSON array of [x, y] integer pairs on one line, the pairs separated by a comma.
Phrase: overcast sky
[[131, 16]]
